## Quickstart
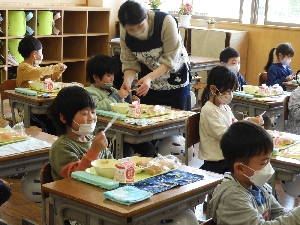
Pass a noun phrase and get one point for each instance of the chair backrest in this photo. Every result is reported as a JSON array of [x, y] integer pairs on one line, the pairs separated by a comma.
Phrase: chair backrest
[[46, 177], [286, 107], [191, 133], [209, 222], [262, 78], [6, 85]]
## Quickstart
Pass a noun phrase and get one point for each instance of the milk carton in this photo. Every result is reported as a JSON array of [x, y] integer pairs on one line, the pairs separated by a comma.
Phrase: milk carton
[[125, 171], [275, 137], [135, 109], [263, 90], [48, 85]]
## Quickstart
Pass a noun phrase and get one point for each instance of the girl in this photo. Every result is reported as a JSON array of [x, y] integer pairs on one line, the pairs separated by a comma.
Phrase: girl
[[216, 116], [31, 50], [74, 115], [278, 69]]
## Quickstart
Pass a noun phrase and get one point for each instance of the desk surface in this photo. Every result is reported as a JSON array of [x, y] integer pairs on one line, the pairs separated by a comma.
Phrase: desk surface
[[277, 100], [202, 59], [92, 196], [34, 99], [36, 134], [286, 161], [289, 83]]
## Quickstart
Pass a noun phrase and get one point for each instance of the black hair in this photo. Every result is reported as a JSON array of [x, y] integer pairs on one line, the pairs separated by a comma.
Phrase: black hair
[[99, 65], [244, 140], [285, 49], [223, 78], [27, 45], [68, 102], [228, 53], [131, 13]]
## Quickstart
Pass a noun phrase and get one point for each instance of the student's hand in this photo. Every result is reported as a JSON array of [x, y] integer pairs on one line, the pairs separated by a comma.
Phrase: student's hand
[[258, 120], [289, 77], [144, 84], [62, 66], [99, 142], [135, 98], [123, 93], [126, 86]]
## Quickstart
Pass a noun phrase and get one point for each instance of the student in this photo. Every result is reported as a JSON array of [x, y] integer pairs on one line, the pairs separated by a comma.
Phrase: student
[[152, 47], [293, 123], [243, 197], [73, 113], [278, 69], [100, 70], [31, 50], [5, 192], [231, 58], [216, 116]]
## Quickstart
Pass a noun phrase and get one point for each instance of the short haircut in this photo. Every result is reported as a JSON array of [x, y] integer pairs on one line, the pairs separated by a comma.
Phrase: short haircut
[[131, 13], [27, 45], [99, 65], [223, 78], [68, 102], [244, 140], [228, 53]]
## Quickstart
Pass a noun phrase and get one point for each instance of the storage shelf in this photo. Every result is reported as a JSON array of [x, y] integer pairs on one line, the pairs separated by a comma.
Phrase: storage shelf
[[81, 29]]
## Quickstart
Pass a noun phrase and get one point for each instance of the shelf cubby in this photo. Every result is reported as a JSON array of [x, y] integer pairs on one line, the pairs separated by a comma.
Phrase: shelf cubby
[[52, 48], [94, 18], [75, 22], [3, 23], [95, 45], [74, 48], [75, 72]]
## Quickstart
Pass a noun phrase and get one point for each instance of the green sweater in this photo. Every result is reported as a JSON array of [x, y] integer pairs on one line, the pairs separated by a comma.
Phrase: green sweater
[[102, 99], [71, 155]]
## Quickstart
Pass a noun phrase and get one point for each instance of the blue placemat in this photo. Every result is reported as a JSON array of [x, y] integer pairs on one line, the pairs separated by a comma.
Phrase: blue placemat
[[166, 181]]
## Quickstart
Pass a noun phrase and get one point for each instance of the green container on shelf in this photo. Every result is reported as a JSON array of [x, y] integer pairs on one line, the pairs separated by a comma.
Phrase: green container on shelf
[[44, 22], [16, 23], [13, 45]]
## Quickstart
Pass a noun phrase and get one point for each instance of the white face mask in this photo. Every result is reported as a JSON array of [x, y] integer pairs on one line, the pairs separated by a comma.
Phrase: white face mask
[[84, 129], [224, 99], [38, 61], [142, 34], [285, 61], [235, 68], [260, 177]]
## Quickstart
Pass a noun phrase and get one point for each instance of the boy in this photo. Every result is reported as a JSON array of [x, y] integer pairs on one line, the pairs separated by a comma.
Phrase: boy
[[100, 71], [231, 58], [243, 197]]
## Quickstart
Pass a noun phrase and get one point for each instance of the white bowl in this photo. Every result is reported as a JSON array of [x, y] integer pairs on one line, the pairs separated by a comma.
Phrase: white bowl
[[120, 107], [39, 86], [105, 167], [250, 89]]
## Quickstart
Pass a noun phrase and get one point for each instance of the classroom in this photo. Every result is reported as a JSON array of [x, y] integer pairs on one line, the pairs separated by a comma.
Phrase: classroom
[[136, 112]]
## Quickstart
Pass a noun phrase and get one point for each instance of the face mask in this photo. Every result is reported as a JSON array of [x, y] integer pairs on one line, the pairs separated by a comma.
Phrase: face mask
[[106, 85], [84, 129], [38, 61], [285, 61], [260, 177], [224, 99], [142, 34], [235, 68]]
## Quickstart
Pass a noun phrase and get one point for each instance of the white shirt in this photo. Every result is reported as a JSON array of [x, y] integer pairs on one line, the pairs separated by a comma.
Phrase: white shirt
[[214, 121]]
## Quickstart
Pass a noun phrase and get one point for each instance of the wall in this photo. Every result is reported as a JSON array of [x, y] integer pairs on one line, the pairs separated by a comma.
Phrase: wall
[[42, 2], [261, 40]]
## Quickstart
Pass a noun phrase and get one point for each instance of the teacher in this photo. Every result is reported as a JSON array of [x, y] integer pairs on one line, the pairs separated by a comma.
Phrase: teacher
[[152, 47]]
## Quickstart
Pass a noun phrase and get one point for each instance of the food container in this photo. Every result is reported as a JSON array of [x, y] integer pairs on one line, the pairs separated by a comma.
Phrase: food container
[[45, 86], [125, 171], [250, 89], [275, 137], [135, 109], [105, 167], [263, 90], [120, 107]]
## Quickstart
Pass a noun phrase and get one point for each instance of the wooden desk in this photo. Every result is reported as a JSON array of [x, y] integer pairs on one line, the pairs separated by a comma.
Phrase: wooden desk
[[286, 169], [134, 134], [256, 107], [290, 86], [201, 63], [30, 104], [85, 203], [29, 160]]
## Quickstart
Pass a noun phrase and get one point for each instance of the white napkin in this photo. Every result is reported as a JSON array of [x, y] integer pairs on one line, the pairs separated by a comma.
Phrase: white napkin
[[23, 146]]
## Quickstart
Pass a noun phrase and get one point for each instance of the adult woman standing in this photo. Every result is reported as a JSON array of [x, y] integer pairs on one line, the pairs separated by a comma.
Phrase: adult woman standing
[[152, 47]]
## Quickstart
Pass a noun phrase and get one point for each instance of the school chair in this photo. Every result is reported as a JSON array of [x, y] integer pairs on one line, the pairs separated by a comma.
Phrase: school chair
[[208, 222], [6, 85], [197, 87], [262, 78], [2, 222], [46, 177], [285, 110], [191, 134]]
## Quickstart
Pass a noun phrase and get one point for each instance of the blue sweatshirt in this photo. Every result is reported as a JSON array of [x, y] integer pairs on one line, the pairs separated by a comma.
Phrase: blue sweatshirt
[[277, 74]]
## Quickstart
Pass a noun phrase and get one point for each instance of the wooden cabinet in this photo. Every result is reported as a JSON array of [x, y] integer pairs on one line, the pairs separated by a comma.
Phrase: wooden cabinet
[[84, 32]]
